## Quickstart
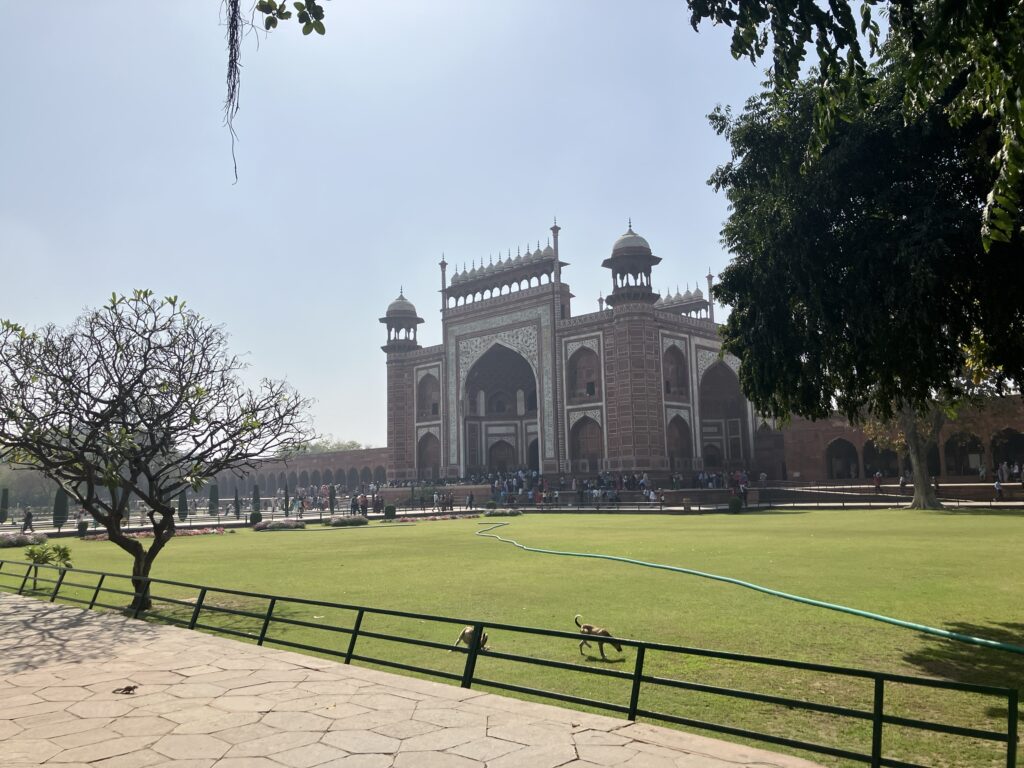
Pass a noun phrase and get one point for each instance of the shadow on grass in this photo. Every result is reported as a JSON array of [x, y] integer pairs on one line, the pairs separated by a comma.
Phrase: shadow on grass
[[606, 661], [774, 511], [964, 663], [978, 511]]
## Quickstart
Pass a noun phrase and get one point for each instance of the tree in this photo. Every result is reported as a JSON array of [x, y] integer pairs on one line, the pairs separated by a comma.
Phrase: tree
[[138, 398], [327, 444], [60, 508], [332, 497], [47, 554], [3, 505], [213, 507], [257, 505], [286, 497], [964, 57], [238, 505], [859, 283], [182, 506]]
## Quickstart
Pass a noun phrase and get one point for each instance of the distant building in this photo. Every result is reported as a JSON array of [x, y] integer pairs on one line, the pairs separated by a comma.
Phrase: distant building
[[519, 381]]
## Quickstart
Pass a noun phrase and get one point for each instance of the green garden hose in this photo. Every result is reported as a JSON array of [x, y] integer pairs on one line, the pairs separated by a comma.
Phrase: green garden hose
[[985, 643]]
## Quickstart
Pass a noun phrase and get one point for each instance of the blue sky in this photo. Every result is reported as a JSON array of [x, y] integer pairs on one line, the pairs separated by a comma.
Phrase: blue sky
[[410, 129]]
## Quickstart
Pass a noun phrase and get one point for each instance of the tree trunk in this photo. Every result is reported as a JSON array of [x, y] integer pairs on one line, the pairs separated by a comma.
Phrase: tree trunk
[[917, 447], [140, 573]]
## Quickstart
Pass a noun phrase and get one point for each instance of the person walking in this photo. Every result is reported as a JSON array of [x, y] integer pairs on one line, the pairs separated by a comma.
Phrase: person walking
[[26, 523]]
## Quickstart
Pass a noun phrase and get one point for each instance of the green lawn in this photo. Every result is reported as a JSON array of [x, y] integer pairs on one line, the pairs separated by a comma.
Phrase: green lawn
[[956, 571]]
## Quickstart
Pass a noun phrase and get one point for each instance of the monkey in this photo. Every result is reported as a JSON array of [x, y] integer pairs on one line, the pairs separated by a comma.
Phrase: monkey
[[466, 636], [590, 629]]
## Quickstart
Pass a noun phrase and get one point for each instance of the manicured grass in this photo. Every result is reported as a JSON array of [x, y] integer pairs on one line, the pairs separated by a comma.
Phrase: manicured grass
[[954, 571]]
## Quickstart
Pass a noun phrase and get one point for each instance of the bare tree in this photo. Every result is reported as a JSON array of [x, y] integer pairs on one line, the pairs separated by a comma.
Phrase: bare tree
[[139, 398]]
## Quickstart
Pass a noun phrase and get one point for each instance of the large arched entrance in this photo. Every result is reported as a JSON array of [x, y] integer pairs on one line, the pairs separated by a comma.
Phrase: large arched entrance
[[428, 457], [883, 460], [680, 444], [1008, 447], [500, 397], [964, 454], [586, 445], [841, 460], [501, 457], [723, 419]]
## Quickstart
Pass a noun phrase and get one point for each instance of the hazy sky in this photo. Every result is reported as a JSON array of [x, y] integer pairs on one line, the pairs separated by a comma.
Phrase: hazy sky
[[411, 129]]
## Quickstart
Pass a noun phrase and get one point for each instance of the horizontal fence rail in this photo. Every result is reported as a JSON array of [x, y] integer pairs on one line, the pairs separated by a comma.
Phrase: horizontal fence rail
[[55, 578]]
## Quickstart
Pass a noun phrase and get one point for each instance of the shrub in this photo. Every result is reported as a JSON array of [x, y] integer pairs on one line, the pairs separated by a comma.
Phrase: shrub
[[735, 505], [83, 527], [279, 525], [255, 517], [342, 521], [491, 505], [503, 512], [389, 512], [21, 539]]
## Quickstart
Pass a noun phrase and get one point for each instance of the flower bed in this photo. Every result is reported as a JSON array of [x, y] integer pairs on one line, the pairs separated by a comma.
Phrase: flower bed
[[279, 525], [503, 513], [21, 539], [343, 521], [431, 517], [149, 534]]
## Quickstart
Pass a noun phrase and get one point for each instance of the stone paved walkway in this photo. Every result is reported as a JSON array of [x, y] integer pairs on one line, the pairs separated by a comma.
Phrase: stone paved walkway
[[206, 701]]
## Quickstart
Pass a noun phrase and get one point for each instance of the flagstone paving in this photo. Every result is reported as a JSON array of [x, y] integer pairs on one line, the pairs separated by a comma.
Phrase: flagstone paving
[[203, 701]]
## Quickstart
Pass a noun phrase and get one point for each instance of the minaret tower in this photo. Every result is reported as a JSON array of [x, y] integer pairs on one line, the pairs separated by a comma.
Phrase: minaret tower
[[555, 229], [444, 284], [401, 320], [711, 298], [631, 263]]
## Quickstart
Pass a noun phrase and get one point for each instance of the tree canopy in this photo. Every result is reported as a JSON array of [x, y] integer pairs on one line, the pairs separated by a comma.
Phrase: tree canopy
[[138, 399], [858, 282]]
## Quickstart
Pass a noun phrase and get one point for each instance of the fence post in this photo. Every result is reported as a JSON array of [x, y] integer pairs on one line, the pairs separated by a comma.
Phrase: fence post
[[24, 581], [197, 609], [355, 634], [56, 587], [876, 724], [266, 621], [474, 649], [96, 592], [1011, 728], [638, 671]]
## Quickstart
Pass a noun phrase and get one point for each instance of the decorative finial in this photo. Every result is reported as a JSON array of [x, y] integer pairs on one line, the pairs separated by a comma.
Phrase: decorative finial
[[538, 245], [492, 259], [401, 290], [556, 221], [630, 223], [518, 251], [549, 242]]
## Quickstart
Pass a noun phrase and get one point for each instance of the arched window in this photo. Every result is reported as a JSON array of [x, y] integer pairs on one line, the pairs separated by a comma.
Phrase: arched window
[[841, 462], [428, 397], [584, 376], [677, 374]]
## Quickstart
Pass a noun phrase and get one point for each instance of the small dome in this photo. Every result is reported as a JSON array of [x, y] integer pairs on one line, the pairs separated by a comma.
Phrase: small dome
[[630, 240], [549, 252], [401, 306], [697, 294], [678, 297], [519, 258], [688, 295], [538, 254]]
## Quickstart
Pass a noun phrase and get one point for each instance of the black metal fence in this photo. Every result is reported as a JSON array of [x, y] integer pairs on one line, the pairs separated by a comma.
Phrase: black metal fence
[[197, 612]]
